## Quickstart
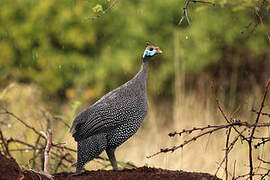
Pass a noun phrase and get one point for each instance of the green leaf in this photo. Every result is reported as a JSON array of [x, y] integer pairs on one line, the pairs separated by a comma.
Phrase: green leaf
[[98, 8]]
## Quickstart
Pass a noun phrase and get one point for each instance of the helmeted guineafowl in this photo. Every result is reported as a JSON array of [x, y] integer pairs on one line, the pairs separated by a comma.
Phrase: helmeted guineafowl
[[114, 118]]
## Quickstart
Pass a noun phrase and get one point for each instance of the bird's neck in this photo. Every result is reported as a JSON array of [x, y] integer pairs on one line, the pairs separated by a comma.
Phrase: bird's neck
[[141, 76], [143, 73]]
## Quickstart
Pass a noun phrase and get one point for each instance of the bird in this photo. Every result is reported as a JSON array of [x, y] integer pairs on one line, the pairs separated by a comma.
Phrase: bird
[[114, 118]]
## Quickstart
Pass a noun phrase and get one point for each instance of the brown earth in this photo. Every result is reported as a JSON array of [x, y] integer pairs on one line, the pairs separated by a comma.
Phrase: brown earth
[[9, 170]]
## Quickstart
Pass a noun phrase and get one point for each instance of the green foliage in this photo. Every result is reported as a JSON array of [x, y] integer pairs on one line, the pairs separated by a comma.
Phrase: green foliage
[[97, 8], [52, 44]]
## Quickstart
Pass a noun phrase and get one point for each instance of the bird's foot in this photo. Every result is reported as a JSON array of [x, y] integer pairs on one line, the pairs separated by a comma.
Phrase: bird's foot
[[76, 174]]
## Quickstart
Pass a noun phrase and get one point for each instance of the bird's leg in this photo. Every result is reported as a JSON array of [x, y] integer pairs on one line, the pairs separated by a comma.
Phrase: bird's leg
[[80, 160], [110, 153]]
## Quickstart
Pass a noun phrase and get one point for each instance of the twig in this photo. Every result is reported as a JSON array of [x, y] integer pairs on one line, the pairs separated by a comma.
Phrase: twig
[[64, 147], [46, 118], [222, 126], [264, 140], [227, 153], [35, 155], [266, 162], [64, 158], [230, 147], [185, 10], [105, 11], [61, 120], [222, 112], [246, 175], [266, 174], [216, 128], [60, 162], [21, 121], [234, 167], [20, 142], [5, 148], [255, 23], [185, 13], [262, 113], [206, 2], [253, 130], [47, 152], [261, 21]]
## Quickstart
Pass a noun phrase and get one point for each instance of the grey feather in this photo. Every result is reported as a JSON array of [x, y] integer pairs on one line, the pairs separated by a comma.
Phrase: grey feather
[[113, 109]]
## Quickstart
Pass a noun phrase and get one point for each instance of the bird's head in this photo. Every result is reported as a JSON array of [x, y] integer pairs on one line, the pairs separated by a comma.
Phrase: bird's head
[[150, 51]]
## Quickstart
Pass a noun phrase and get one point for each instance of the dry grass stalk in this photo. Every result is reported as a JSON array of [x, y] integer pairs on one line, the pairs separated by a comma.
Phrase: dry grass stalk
[[47, 152]]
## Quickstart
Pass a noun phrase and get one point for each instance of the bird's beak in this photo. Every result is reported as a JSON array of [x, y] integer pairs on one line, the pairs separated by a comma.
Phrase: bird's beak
[[159, 51]]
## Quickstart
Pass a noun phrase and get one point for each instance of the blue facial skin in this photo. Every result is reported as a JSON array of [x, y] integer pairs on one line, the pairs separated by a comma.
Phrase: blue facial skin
[[149, 53]]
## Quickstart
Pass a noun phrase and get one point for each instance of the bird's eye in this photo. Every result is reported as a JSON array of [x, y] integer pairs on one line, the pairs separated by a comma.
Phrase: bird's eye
[[151, 49]]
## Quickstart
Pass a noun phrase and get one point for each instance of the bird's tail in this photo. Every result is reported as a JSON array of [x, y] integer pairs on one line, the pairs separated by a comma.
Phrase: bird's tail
[[90, 148]]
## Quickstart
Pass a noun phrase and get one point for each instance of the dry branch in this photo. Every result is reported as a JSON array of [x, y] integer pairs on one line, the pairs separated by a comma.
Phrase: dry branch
[[5, 111], [257, 12], [185, 9], [222, 112], [264, 140], [253, 131], [210, 131], [47, 152], [260, 14], [266, 162], [5, 145], [262, 113], [227, 153], [105, 11], [228, 149], [240, 127]]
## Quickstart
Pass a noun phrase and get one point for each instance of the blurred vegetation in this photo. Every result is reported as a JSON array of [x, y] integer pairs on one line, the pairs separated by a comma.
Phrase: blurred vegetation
[[51, 51], [53, 44]]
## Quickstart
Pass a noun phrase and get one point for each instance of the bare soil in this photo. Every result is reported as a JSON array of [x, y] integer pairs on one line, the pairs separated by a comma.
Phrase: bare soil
[[9, 170]]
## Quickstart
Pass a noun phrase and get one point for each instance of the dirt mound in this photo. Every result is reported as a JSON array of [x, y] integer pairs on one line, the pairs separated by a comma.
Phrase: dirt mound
[[145, 173], [32, 175], [9, 170]]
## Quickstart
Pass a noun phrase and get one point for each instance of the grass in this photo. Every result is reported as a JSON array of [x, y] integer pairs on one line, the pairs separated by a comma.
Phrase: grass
[[190, 110]]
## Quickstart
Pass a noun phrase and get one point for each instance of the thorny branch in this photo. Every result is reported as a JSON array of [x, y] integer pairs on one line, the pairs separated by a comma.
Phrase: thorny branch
[[253, 131], [262, 113], [217, 127], [213, 128], [263, 141], [240, 128]]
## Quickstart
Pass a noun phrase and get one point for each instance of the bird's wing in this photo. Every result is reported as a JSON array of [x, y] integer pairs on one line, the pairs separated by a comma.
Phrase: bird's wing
[[109, 112]]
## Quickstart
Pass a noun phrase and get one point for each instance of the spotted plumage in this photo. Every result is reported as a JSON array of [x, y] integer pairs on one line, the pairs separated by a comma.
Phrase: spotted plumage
[[114, 118]]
